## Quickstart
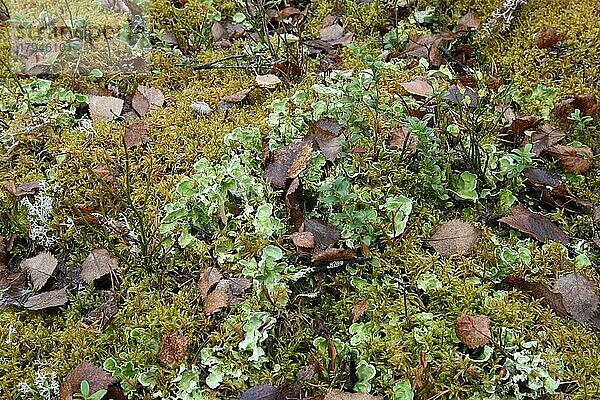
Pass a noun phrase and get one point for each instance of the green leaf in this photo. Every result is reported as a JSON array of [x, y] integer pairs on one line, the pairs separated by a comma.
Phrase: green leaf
[[364, 373], [403, 391], [96, 73], [465, 186]]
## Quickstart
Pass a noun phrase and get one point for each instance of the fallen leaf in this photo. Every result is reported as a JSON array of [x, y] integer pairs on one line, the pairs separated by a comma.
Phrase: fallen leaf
[[268, 81], [332, 254], [39, 268], [425, 46], [359, 309], [147, 99], [575, 160], [97, 265], [534, 225], [54, 298], [324, 235], [339, 395], [327, 134], [208, 280], [294, 203], [238, 97], [546, 37], [288, 162], [579, 295], [261, 392], [473, 331], [521, 124], [173, 349], [136, 134], [458, 93], [217, 32], [103, 315], [405, 140], [418, 87], [105, 107], [544, 137], [586, 103], [221, 296], [547, 187], [304, 241], [454, 237], [201, 108], [538, 291], [469, 21], [217, 292], [104, 173], [23, 189], [97, 378]]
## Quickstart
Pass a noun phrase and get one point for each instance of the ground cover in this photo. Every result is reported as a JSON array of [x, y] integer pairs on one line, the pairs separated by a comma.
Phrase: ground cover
[[338, 200]]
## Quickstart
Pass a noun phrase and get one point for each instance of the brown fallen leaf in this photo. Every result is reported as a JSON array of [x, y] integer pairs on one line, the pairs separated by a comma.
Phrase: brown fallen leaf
[[261, 392], [544, 137], [304, 242], [579, 295], [221, 296], [54, 298], [104, 173], [173, 349], [534, 225], [418, 87], [359, 309], [294, 203], [405, 140], [547, 187], [208, 280], [97, 378], [469, 21], [268, 81], [586, 103], [288, 162], [339, 395], [473, 331], [457, 93], [39, 268], [454, 237], [105, 107], [425, 46], [136, 134], [238, 97], [147, 99], [538, 291], [217, 292], [328, 136], [103, 315], [575, 160], [98, 264], [332, 254], [23, 189], [218, 32], [546, 37]]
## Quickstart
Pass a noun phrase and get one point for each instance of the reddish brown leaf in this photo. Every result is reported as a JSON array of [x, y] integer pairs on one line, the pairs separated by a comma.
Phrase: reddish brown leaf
[[473, 331], [425, 46], [294, 203], [327, 134], [538, 291], [405, 140], [288, 162], [359, 309], [579, 295], [97, 378], [586, 103], [260, 392], [418, 87], [173, 349], [534, 225], [104, 173], [221, 296], [103, 315], [23, 189], [469, 21], [208, 280], [324, 234], [146, 99], [303, 240], [547, 187], [217, 32], [136, 134], [238, 97], [454, 237], [522, 124], [332, 254], [546, 37], [576, 160], [544, 137]]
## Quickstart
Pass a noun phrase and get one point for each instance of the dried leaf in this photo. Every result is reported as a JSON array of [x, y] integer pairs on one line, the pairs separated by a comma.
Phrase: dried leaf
[[327, 134], [97, 265], [473, 331], [54, 298], [23, 189], [238, 97], [104, 314], [546, 37], [105, 107], [359, 309], [173, 349], [324, 234], [339, 395], [425, 46], [147, 99], [544, 137], [303, 241], [458, 93], [418, 87], [405, 140], [260, 392], [268, 81], [586, 103], [39, 268], [547, 187], [538, 291], [575, 160], [294, 203], [136, 134], [97, 378], [454, 237], [217, 32], [288, 162], [534, 225], [221, 296], [332, 254], [240, 285], [579, 295], [469, 21], [209, 278]]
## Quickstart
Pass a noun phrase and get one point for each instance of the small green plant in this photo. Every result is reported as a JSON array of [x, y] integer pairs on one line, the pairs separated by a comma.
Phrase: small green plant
[[582, 122], [85, 394]]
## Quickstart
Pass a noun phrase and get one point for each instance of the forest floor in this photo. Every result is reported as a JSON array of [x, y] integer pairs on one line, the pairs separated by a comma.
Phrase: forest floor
[[339, 199]]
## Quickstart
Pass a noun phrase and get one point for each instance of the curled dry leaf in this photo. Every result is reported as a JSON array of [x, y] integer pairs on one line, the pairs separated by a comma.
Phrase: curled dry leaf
[[221, 296], [97, 378], [586, 103], [427, 47], [327, 136], [294, 203], [39, 268], [546, 37], [146, 99], [469, 21], [97, 265], [544, 137], [268, 81], [217, 292], [103, 315], [54, 298], [418, 87], [23, 189], [208, 280], [457, 93], [579, 295], [238, 97], [173, 349], [454, 237], [288, 162], [534, 225], [547, 187], [261, 392], [575, 160], [105, 107], [359, 309], [136, 134], [473, 331]]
